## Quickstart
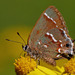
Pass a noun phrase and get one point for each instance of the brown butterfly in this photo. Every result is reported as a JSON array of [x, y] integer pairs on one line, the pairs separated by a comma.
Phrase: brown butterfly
[[49, 39]]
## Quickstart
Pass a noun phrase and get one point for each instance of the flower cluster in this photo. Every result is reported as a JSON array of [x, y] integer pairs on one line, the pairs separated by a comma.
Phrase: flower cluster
[[27, 66], [70, 66], [24, 65]]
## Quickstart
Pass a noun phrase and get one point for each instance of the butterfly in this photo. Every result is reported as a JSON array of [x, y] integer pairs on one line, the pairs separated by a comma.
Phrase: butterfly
[[49, 39]]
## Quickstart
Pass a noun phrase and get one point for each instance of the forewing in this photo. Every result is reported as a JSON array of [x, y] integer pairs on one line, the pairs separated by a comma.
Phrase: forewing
[[45, 35]]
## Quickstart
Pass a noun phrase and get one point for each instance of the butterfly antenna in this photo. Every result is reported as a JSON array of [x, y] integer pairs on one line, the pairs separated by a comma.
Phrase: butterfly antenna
[[21, 37], [14, 41]]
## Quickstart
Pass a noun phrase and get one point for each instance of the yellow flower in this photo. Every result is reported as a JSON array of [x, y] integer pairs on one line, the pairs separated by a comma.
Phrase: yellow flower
[[25, 65], [61, 71], [70, 66]]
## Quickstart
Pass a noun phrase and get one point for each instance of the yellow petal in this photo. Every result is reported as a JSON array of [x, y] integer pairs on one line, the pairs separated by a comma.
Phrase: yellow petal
[[42, 71]]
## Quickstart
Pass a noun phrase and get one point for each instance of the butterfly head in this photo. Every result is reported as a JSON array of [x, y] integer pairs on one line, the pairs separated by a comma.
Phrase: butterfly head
[[25, 47]]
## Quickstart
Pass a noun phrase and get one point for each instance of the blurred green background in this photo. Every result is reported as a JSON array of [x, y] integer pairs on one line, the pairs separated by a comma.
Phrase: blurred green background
[[21, 16]]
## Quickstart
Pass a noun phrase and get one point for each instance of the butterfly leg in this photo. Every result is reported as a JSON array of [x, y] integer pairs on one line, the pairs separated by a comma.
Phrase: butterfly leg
[[38, 61], [24, 54]]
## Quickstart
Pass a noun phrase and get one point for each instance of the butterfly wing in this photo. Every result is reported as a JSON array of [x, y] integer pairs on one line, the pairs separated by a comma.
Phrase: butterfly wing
[[46, 36]]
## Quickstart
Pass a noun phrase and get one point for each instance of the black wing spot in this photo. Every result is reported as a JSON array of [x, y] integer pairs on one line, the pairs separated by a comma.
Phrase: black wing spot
[[67, 45]]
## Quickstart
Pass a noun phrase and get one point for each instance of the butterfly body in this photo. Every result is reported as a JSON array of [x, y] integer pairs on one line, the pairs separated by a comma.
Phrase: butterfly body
[[49, 39]]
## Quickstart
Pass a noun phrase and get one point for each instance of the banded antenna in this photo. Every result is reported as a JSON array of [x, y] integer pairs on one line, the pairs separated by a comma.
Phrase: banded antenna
[[17, 41], [21, 37], [14, 41]]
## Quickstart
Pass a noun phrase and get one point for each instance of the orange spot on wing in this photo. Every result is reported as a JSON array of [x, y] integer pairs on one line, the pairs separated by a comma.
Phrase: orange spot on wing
[[37, 31], [48, 36]]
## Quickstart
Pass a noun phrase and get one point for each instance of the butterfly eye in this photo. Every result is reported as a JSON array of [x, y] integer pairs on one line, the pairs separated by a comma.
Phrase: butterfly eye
[[25, 47], [67, 45]]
